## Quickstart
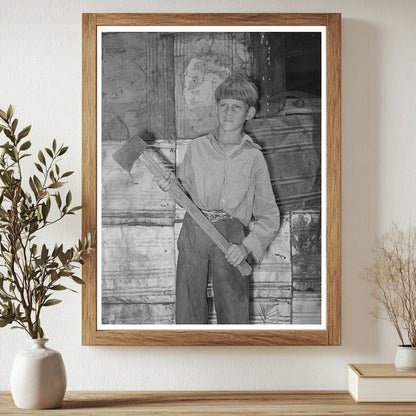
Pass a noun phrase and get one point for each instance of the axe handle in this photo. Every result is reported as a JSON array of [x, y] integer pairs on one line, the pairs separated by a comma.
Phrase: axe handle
[[180, 196]]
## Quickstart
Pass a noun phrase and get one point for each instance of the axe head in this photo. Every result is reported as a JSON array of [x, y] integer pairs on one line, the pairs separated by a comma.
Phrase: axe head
[[130, 152]]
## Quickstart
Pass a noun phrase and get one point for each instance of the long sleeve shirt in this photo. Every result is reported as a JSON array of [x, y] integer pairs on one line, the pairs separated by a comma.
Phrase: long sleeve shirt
[[238, 183]]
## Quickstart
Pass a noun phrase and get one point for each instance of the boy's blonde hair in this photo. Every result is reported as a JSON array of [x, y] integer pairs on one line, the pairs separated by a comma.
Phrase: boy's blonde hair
[[238, 87]]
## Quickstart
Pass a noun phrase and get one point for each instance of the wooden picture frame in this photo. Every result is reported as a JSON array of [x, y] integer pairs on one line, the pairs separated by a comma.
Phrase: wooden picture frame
[[330, 334]]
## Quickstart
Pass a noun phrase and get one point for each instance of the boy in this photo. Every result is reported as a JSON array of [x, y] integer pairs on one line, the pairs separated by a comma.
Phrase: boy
[[226, 176]]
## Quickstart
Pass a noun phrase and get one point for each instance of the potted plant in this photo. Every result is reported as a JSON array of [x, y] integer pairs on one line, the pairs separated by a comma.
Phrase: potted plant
[[31, 273], [393, 277]]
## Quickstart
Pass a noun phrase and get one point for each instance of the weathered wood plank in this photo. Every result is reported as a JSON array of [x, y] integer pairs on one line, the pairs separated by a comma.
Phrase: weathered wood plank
[[160, 85], [137, 248], [202, 61], [124, 89], [137, 270], [135, 198], [305, 233], [138, 313], [306, 263], [262, 311], [138, 85], [292, 148], [212, 403], [306, 308], [276, 263], [269, 68], [134, 286]]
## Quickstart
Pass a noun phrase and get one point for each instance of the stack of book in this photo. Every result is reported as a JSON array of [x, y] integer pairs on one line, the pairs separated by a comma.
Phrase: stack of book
[[381, 383]]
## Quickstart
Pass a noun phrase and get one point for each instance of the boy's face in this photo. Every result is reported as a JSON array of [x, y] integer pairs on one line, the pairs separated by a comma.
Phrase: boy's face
[[232, 114]]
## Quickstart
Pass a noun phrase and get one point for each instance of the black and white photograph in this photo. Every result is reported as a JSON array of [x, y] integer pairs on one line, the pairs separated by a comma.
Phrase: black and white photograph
[[211, 178]]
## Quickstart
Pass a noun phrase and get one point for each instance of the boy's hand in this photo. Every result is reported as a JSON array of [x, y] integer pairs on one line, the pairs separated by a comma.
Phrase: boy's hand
[[164, 182], [236, 254]]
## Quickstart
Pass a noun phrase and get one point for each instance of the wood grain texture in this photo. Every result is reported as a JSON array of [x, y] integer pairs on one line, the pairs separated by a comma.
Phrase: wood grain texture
[[178, 403], [89, 173], [212, 19], [380, 371], [331, 336], [210, 337], [333, 255]]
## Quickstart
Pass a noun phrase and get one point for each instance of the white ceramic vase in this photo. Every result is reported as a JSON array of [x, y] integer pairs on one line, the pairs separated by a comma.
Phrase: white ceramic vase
[[38, 377], [405, 358]]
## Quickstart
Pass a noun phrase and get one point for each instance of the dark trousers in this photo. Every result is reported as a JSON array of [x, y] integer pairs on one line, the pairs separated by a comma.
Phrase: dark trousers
[[199, 257]]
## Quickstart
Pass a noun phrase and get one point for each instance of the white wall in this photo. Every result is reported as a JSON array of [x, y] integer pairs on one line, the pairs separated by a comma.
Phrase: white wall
[[40, 73]]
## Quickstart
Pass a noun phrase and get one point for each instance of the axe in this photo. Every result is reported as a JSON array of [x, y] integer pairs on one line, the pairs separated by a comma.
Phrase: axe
[[134, 149]]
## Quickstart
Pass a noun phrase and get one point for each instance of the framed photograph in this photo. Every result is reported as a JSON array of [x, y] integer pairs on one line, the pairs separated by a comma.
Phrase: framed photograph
[[211, 172]]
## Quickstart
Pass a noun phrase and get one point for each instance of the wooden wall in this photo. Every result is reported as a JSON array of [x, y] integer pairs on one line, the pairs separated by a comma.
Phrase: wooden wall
[[161, 86]]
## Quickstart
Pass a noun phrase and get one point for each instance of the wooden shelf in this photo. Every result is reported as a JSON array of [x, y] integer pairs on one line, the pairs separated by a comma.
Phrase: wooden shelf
[[318, 403]]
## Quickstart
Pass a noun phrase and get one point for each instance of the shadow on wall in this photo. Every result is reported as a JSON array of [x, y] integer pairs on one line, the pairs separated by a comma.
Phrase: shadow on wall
[[360, 179]]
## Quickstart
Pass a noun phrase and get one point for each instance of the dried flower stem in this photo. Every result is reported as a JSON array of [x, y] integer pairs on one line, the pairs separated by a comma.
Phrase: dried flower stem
[[393, 276]]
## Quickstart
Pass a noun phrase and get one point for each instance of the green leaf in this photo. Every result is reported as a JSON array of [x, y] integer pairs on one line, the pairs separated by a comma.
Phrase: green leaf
[[34, 249], [14, 125], [8, 133], [63, 150], [60, 249], [4, 298], [40, 332], [5, 145], [59, 287], [56, 185], [25, 145], [3, 115], [58, 199], [5, 321], [49, 152], [39, 167], [44, 253], [33, 187], [41, 157], [68, 199], [54, 145], [67, 174], [45, 211], [72, 210], [66, 273], [55, 251], [76, 279], [10, 112], [37, 183], [62, 257], [51, 302], [24, 132]]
